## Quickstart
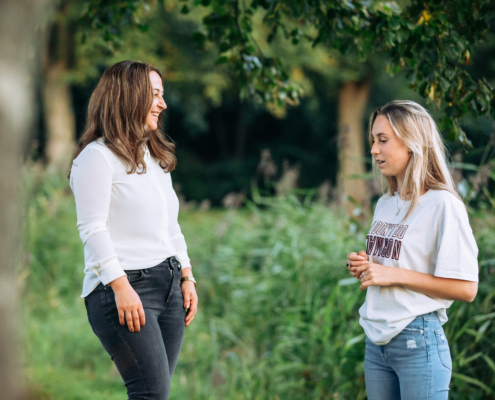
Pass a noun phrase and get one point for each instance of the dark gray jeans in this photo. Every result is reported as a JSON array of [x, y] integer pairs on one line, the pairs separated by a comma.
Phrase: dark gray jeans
[[146, 360]]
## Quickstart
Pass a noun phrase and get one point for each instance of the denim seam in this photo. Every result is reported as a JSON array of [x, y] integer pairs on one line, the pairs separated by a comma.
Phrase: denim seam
[[171, 289], [429, 381], [127, 345], [426, 341], [89, 318], [169, 292], [409, 330], [429, 361], [437, 334]]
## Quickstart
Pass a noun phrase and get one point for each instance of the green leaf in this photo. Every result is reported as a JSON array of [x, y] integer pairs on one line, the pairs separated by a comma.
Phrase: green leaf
[[366, 175], [221, 60], [450, 73], [411, 77], [394, 23], [489, 361], [444, 84], [464, 166], [472, 381], [422, 89]]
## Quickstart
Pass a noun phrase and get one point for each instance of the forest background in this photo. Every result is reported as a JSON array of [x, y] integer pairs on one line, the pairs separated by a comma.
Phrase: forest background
[[275, 190]]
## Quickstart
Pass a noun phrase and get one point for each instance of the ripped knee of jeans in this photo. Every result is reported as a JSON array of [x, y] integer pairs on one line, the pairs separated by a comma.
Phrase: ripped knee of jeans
[[411, 343]]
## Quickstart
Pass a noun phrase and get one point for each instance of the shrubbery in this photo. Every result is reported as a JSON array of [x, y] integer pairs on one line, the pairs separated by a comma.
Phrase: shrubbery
[[278, 313]]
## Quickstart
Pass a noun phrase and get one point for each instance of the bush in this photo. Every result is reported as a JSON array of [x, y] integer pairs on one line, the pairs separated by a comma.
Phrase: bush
[[278, 314]]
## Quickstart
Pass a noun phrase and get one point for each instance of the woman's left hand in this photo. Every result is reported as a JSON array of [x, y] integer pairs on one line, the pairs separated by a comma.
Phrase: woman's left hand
[[190, 300], [376, 275]]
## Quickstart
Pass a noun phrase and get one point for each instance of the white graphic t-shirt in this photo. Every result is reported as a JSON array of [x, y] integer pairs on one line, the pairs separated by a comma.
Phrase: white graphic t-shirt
[[435, 239]]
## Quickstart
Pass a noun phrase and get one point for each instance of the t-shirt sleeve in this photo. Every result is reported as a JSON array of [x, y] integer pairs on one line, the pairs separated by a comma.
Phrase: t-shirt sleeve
[[457, 252]]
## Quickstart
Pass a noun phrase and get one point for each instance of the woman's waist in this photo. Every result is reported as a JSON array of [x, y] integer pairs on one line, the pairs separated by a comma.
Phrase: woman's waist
[[171, 263], [143, 262], [385, 302]]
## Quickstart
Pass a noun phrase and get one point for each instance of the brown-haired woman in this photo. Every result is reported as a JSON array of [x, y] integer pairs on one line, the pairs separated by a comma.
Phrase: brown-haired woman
[[138, 290]]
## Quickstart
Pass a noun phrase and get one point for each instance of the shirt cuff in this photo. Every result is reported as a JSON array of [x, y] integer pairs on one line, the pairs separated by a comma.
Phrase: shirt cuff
[[184, 260], [110, 271]]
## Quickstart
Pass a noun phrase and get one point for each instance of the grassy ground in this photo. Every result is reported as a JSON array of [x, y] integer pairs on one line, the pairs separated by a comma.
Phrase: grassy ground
[[278, 316]]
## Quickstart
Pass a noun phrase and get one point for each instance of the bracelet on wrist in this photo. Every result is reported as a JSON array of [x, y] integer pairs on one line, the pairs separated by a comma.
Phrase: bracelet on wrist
[[188, 278]]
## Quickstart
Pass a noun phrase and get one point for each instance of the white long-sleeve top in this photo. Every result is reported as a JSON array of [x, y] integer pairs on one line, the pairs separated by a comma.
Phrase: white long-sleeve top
[[126, 221]]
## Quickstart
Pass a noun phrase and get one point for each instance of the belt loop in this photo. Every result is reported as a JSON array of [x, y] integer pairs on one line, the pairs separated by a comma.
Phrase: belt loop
[[425, 335], [175, 263]]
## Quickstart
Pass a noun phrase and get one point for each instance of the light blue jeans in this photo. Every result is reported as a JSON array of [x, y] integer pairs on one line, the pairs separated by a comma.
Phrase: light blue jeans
[[414, 365]]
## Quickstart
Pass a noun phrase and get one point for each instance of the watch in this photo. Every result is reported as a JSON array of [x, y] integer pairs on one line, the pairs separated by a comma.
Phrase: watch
[[188, 278]]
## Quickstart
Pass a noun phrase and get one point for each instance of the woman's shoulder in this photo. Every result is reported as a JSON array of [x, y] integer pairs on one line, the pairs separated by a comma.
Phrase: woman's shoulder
[[96, 151], [443, 199], [447, 205]]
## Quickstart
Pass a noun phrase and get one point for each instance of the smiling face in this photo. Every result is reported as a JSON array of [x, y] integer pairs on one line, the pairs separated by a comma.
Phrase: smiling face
[[391, 155], [158, 102]]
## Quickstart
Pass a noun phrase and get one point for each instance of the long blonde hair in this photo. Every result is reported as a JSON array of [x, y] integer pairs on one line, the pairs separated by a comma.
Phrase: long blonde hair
[[427, 168]]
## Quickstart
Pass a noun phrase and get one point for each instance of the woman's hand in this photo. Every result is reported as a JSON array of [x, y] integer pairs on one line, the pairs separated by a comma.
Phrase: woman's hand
[[190, 297], [376, 275], [355, 260], [128, 303]]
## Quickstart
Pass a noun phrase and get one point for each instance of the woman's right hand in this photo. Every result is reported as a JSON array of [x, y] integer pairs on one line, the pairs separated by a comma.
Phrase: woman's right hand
[[128, 303], [355, 260]]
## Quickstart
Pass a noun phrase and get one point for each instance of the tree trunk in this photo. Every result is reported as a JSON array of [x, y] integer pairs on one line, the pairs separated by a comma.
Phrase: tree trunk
[[60, 121], [20, 35], [59, 118], [353, 98]]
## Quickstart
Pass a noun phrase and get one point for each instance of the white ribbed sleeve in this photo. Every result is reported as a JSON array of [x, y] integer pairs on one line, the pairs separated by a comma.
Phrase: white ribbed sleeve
[[91, 182]]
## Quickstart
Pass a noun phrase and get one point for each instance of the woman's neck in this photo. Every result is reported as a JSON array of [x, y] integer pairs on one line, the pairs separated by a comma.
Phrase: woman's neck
[[403, 193], [406, 194], [400, 184]]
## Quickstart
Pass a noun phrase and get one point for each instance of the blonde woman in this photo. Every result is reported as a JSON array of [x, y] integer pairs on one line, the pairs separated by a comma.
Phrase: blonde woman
[[420, 256]]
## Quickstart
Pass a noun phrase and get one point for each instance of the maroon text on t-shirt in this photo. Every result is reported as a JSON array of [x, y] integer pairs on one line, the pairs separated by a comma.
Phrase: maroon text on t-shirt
[[383, 239]]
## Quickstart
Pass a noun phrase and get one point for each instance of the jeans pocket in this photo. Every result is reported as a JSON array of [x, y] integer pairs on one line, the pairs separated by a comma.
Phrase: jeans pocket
[[134, 276], [443, 349]]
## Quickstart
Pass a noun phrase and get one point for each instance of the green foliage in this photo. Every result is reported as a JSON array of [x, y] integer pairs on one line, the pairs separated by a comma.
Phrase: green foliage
[[430, 40], [278, 314], [110, 18], [478, 184]]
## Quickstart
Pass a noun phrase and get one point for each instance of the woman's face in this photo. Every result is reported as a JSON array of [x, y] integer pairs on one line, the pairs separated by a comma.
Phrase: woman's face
[[391, 155], [158, 102]]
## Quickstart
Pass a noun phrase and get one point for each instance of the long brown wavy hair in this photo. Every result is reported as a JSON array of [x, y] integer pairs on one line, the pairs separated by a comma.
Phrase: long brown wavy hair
[[117, 113]]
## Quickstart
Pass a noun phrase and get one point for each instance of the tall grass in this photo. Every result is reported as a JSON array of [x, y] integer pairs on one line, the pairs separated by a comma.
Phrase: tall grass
[[278, 314]]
